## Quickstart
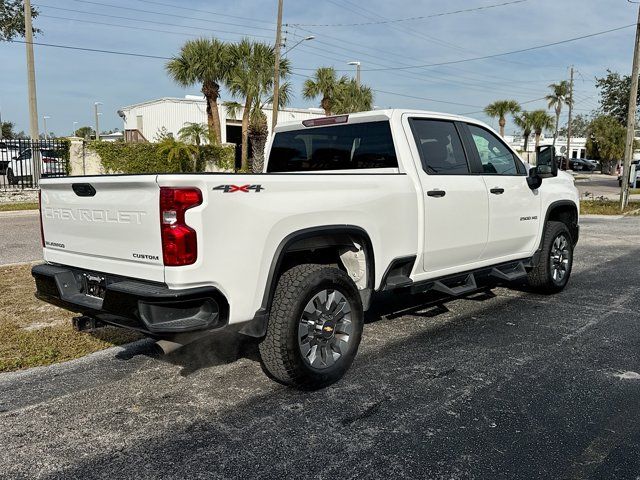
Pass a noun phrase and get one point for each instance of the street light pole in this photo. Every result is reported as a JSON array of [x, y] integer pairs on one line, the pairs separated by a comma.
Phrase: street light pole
[[46, 132], [95, 111], [631, 120], [357, 64], [305, 39], [73, 133], [276, 70]]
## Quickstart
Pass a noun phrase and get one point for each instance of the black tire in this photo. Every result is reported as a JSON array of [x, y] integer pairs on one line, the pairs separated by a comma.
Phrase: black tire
[[281, 350], [544, 277]]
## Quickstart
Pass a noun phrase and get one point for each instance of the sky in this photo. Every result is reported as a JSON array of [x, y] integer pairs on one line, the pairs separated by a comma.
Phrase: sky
[[70, 81]]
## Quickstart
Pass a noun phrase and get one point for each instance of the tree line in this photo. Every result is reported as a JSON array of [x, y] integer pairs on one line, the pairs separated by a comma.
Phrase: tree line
[[604, 128]]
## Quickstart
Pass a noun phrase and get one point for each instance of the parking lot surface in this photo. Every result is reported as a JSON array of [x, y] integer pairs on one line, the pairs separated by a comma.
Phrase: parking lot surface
[[506, 384], [19, 237]]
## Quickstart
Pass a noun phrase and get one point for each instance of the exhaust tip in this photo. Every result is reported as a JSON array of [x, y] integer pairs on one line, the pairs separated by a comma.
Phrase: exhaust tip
[[166, 347]]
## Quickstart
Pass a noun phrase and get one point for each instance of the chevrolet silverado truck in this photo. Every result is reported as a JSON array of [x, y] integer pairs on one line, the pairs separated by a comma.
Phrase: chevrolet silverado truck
[[347, 206]]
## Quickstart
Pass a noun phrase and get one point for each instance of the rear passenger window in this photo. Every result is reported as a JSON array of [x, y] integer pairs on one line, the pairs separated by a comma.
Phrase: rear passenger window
[[440, 147], [495, 156], [353, 146]]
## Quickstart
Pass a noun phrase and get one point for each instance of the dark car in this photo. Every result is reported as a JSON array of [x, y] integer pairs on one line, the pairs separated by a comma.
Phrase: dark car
[[582, 164]]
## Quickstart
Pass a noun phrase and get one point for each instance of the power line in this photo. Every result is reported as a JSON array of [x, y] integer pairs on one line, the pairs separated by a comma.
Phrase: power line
[[408, 19], [182, 7], [484, 57], [131, 27], [172, 15], [153, 22], [95, 50], [426, 98], [118, 25], [411, 31]]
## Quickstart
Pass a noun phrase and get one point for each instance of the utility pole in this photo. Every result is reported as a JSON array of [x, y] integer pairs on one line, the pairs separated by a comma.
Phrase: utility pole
[[631, 120], [570, 114], [276, 71], [31, 82], [97, 114]]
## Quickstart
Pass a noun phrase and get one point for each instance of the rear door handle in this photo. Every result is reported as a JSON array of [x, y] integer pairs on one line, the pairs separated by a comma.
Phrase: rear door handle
[[497, 191], [436, 193]]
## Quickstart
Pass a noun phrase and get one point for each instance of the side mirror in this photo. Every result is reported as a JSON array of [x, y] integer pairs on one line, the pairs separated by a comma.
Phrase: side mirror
[[546, 166], [534, 180]]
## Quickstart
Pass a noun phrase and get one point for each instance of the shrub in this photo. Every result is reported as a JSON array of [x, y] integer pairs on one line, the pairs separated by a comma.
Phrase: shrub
[[120, 157], [223, 156]]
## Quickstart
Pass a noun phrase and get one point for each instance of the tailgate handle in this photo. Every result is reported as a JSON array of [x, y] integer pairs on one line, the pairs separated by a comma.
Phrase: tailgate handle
[[83, 189]]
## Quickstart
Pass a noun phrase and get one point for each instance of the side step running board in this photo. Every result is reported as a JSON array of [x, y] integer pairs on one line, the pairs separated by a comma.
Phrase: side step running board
[[469, 285], [511, 273]]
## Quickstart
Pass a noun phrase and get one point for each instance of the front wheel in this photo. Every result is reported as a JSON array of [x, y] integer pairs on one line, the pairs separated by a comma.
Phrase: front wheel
[[553, 270], [315, 327]]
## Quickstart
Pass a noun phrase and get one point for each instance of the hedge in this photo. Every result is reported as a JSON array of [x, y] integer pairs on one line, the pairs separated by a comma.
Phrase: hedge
[[134, 158]]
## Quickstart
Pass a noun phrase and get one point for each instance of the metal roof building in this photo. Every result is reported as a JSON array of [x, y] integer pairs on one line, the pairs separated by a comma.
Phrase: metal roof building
[[152, 117]]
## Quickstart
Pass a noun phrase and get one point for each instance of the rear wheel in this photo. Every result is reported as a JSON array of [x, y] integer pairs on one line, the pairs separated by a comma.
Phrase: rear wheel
[[315, 327], [552, 273]]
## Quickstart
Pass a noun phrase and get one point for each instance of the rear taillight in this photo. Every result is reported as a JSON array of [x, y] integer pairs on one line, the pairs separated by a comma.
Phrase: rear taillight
[[41, 226], [179, 241]]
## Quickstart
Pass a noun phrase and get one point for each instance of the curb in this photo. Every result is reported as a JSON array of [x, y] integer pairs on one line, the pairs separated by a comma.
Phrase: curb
[[18, 213]]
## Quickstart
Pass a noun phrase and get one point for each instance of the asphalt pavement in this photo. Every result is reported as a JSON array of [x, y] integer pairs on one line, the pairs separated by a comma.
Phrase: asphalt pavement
[[506, 384], [19, 237]]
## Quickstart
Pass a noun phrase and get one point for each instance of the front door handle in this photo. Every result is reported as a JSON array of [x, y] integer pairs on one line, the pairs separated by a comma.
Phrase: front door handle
[[436, 193], [497, 191]]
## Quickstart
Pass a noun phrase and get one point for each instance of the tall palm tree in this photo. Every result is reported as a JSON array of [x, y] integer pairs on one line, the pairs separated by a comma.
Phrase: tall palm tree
[[325, 83], [523, 120], [251, 79], [351, 97], [560, 95], [203, 61], [500, 109], [540, 121]]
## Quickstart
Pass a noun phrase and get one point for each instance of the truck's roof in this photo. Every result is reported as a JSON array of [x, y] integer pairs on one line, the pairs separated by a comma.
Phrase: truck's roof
[[385, 114]]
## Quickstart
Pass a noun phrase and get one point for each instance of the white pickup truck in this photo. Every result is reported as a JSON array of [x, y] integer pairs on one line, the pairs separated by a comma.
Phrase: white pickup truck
[[347, 206]]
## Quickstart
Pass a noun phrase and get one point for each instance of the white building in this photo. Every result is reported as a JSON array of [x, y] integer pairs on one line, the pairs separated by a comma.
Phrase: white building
[[578, 147], [151, 117]]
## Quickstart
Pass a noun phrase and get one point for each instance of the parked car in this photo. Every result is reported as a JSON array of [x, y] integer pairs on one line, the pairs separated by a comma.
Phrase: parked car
[[582, 164], [348, 206], [20, 167], [635, 183], [4, 158]]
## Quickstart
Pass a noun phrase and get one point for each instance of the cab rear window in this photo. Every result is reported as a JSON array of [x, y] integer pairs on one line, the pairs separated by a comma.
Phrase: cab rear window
[[341, 147]]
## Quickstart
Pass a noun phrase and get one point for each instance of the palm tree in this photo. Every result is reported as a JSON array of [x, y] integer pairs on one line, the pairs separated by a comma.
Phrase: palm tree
[[523, 121], [179, 154], [193, 133], [351, 97], [203, 61], [251, 79], [324, 83], [559, 96], [540, 121], [500, 109]]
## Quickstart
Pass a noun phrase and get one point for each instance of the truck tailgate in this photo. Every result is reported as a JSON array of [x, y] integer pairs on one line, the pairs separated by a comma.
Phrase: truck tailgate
[[108, 224]]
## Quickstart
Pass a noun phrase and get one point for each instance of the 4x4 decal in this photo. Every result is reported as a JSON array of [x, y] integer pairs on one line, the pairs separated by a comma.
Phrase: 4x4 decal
[[239, 188]]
